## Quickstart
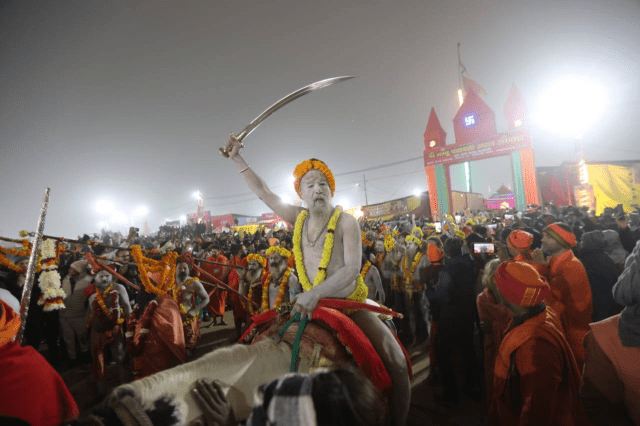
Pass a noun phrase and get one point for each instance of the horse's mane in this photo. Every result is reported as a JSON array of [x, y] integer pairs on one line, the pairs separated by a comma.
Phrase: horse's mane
[[239, 368]]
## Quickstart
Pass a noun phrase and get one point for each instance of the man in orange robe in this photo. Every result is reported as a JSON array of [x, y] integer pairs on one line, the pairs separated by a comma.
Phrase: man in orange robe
[[218, 297], [536, 378], [158, 341], [30, 389], [570, 295], [519, 246]]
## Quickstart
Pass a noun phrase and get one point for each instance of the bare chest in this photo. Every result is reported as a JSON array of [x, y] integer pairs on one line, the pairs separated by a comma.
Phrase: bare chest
[[315, 254]]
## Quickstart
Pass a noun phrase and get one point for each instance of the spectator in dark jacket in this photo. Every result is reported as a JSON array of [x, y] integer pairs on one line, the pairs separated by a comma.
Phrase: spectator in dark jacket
[[455, 297], [602, 272]]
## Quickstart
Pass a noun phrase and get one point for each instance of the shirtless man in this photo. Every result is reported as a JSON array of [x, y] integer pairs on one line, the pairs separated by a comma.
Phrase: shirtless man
[[104, 324], [278, 271], [188, 291], [414, 272], [372, 279], [251, 286], [315, 185]]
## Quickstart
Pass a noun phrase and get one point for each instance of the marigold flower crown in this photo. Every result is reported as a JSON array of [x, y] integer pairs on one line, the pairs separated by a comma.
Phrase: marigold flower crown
[[254, 256], [280, 250], [313, 164]]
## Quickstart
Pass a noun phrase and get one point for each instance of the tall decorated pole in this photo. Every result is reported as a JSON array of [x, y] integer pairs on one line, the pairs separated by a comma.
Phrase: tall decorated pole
[[31, 269]]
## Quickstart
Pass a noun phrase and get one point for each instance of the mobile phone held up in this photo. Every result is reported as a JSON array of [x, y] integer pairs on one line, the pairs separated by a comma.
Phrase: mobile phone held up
[[484, 248]]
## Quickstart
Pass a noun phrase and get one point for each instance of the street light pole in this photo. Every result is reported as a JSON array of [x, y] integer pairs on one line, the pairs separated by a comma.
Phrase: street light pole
[[366, 199]]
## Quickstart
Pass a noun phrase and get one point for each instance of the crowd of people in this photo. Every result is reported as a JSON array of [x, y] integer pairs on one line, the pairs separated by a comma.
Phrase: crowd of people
[[536, 310]]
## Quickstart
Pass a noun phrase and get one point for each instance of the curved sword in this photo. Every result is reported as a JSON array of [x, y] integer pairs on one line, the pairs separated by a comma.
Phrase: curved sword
[[282, 102]]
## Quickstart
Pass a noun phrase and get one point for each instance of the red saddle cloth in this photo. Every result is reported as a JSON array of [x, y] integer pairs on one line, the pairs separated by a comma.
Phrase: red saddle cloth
[[337, 334]]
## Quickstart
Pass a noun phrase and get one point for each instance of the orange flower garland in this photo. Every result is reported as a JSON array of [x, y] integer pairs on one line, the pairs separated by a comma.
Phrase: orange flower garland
[[113, 316], [313, 164], [265, 290], [365, 269], [165, 267], [261, 260]]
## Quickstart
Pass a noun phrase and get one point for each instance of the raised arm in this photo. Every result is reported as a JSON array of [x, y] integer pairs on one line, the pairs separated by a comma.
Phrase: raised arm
[[259, 187]]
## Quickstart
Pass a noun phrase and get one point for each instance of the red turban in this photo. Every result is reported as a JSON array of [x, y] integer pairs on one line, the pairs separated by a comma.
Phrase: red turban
[[521, 284], [519, 241], [563, 237], [434, 253]]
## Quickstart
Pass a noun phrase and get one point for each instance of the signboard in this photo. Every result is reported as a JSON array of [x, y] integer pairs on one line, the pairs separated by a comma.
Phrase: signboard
[[225, 220], [392, 208], [502, 144]]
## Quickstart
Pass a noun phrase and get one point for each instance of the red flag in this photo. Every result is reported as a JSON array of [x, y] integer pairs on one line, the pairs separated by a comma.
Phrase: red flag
[[470, 84]]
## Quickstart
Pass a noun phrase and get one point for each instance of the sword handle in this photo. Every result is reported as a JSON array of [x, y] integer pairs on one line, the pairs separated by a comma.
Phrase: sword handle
[[225, 152]]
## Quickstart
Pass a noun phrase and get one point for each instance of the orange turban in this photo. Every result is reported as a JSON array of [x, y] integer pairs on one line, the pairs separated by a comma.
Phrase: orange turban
[[434, 253], [313, 164], [563, 237], [519, 241], [9, 323], [521, 284]]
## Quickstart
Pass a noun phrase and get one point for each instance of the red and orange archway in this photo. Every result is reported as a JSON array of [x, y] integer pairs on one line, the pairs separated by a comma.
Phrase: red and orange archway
[[476, 139]]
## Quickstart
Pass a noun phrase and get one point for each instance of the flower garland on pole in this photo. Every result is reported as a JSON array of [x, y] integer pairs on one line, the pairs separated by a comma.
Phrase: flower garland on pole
[[52, 293]]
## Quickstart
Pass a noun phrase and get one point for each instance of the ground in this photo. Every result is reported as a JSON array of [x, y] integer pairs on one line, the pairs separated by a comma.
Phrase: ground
[[423, 410]]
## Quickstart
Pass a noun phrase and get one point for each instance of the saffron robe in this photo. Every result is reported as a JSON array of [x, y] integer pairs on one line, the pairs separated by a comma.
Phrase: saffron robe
[[570, 299], [164, 345], [536, 379]]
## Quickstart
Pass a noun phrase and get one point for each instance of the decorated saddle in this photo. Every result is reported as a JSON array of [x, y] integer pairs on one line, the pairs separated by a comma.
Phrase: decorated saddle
[[331, 338]]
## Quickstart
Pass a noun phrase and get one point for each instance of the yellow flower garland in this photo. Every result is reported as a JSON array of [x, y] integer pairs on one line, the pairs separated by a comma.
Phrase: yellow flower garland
[[261, 260], [365, 269], [280, 250], [249, 305], [361, 291], [407, 276], [265, 290], [389, 242]]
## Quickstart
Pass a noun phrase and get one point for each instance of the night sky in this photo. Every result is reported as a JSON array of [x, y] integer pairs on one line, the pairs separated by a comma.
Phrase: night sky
[[128, 102]]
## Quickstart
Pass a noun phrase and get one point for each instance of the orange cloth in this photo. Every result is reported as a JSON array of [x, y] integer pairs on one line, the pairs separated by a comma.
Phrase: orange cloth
[[434, 253], [565, 238], [9, 323], [520, 241], [218, 298], [570, 298], [494, 320], [546, 389], [521, 284], [625, 361], [239, 312], [164, 345]]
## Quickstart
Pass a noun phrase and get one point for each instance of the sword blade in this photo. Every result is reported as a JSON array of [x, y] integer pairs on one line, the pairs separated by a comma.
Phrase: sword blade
[[289, 98]]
